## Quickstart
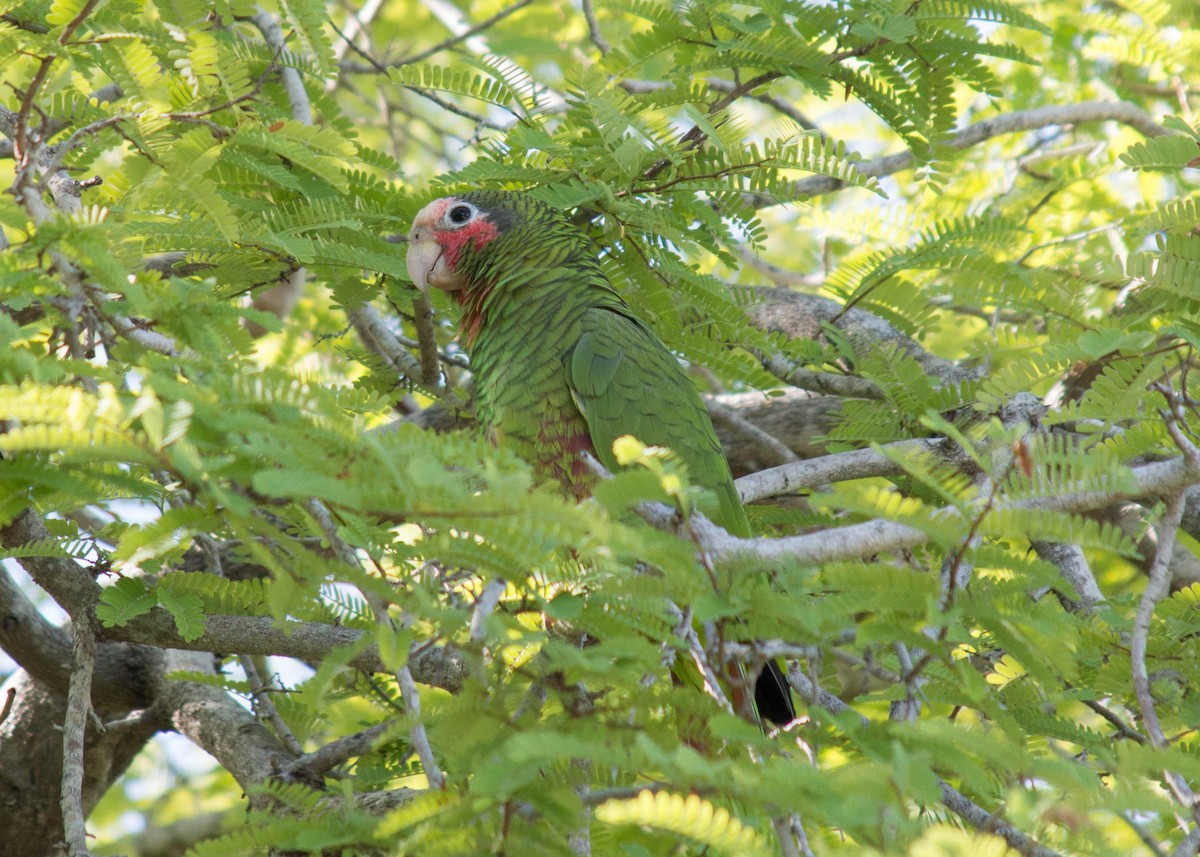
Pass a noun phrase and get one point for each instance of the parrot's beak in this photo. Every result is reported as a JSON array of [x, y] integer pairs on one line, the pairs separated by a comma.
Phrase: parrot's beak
[[426, 259], [424, 255]]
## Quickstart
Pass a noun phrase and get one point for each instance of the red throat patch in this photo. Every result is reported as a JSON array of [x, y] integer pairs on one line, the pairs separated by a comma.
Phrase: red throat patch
[[473, 295], [471, 300]]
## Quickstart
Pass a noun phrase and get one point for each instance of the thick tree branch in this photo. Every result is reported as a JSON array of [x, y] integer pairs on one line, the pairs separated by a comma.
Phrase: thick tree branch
[[829, 383], [799, 315], [1074, 567], [214, 721], [307, 641], [31, 755], [172, 840], [838, 467], [73, 588]]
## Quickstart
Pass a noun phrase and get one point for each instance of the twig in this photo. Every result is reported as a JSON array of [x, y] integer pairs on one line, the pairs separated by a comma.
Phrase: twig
[[452, 21], [594, 33], [1188, 845], [953, 799], [479, 119], [1074, 567], [801, 836], [29, 26], [779, 275], [52, 159], [66, 192], [598, 796], [77, 21], [1156, 588], [24, 144], [780, 105], [822, 382], [484, 607], [420, 740], [981, 819], [321, 761], [79, 706], [1142, 834], [9, 697], [1124, 730], [266, 708], [293, 84], [685, 630], [353, 27], [788, 845], [880, 536], [1084, 113], [378, 337], [579, 840], [148, 339]]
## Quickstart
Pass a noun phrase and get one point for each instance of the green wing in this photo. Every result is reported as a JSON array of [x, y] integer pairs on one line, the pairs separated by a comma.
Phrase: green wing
[[625, 381]]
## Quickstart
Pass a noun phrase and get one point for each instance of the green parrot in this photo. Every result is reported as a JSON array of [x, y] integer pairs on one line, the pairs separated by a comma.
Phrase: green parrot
[[562, 364]]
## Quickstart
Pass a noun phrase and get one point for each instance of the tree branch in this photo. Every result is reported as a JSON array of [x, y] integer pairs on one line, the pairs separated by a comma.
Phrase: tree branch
[[838, 467], [79, 707], [307, 641], [214, 721], [1083, 113], [881, 536], [320, 762]]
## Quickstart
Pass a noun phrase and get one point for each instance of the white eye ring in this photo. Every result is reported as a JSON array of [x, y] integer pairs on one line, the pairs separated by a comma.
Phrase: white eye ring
[[459, 214]]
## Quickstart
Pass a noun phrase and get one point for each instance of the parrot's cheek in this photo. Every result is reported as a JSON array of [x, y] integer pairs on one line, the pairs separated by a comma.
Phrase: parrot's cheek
[[427, 266]]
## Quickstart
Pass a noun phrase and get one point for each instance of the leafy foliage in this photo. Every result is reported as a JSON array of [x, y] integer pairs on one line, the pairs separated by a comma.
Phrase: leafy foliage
[[211, 451]]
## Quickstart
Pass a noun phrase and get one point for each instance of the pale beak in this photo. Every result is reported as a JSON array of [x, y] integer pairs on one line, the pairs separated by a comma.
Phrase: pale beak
[[424, 255]]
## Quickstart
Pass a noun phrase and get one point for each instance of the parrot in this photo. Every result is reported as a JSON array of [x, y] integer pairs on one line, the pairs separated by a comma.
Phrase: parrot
[[562, 364]]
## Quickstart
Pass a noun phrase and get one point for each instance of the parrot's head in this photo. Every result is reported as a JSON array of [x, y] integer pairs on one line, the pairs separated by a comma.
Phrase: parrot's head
[[452, 238]]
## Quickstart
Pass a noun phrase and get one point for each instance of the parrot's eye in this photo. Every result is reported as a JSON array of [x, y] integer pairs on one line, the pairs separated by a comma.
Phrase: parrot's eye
[[460, 213]]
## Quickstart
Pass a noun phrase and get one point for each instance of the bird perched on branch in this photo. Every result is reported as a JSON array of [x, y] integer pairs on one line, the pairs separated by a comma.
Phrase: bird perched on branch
[[562, 364]]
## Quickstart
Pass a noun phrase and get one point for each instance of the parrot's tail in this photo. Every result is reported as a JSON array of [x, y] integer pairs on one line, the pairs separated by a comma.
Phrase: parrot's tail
[[772, 697]]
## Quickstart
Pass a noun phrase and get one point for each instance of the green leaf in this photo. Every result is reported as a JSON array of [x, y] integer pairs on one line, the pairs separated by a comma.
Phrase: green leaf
[[187, 610], [125, 600]]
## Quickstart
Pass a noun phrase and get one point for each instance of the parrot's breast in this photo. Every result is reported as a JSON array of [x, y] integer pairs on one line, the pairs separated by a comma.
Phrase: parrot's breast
[[523, 398]]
